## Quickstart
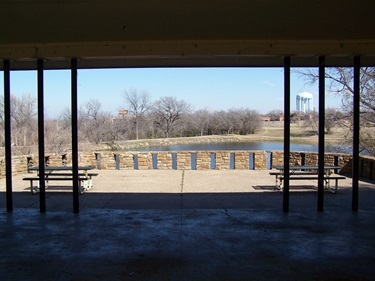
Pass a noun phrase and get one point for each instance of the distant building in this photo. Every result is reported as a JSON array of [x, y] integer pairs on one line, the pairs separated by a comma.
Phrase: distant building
[[122, 112], [304, 102], [267, 118]]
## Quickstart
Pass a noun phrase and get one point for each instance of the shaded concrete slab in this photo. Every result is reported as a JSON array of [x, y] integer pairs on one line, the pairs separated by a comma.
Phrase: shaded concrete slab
[[188, 244]]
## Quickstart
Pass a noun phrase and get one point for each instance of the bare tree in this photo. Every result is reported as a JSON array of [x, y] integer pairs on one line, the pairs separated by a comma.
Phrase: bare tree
[[333, 118], [120, 128], [66, 122], [98, 122], [341, 83], [94, 124], [23, 119], [139, 104], [57, 136], [250, 121], [168, 111], [222, 122], [311, 120], [201, 120]]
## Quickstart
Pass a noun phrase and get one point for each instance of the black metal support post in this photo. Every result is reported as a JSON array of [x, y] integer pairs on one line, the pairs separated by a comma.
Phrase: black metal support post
[[286, 133], [42, 183], [356, 128], [8, 137], [74, 112], [321, 133]]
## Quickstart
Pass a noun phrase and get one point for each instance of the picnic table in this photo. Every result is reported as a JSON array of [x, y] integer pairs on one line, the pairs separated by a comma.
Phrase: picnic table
[[62, 173], [308, 172]]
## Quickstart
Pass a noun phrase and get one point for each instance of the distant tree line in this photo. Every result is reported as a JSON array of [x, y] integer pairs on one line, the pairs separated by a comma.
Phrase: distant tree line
[[163, 118]]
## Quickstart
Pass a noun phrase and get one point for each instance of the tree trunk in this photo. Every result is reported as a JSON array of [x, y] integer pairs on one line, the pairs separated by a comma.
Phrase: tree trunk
[[136, 129]]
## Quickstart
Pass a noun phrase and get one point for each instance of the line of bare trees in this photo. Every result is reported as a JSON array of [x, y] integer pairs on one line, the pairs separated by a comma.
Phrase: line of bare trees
[[170, 117], [340, 83], [163, 118]]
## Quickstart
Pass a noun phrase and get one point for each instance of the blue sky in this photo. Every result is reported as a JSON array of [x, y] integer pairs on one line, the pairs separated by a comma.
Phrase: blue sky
[[212, 88]]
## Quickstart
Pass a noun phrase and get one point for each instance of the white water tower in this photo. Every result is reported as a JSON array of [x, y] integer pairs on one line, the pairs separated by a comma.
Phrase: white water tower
[[304, 102]]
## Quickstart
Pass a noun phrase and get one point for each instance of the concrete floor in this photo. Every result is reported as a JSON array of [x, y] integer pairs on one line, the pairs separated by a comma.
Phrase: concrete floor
[[192, 225]]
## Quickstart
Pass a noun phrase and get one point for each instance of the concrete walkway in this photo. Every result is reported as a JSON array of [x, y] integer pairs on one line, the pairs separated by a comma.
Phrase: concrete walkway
[[187, 225]]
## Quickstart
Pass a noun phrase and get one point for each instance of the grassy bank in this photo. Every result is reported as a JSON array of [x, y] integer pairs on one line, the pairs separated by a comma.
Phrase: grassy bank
[[270, 132]]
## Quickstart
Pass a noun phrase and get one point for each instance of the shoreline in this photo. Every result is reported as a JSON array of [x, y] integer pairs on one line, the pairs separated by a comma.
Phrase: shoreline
[[143, 143]]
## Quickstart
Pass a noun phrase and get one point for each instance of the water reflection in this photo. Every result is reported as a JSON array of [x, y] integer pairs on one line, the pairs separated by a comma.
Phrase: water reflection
[[230, 146]]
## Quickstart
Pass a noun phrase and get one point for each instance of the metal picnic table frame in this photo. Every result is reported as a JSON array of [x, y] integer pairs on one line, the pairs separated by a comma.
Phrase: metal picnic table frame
[[56, 173], [306, 172]]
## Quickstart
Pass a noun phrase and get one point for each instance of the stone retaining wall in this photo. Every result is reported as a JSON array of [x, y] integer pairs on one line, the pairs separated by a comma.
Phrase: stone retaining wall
[[200, 160]]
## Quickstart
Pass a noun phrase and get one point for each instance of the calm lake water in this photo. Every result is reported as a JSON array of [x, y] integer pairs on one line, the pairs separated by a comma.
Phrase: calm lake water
[[231, 146]]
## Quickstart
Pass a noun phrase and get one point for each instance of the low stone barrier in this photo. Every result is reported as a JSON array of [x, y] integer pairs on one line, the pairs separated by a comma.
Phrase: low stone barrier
[[192, 160]]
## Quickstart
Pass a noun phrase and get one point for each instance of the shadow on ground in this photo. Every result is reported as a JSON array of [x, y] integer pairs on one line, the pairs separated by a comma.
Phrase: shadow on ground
[[300, 198], [188, 236]]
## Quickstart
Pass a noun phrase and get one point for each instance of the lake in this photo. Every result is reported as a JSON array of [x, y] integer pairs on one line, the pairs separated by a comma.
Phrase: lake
[[267, 146]]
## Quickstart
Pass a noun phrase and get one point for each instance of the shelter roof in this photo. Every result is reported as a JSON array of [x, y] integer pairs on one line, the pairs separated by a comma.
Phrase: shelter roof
[[148, 33]]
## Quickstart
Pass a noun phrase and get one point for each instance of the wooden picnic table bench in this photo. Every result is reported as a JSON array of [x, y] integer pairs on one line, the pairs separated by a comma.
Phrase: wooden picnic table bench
[[299, 172], [35, 188], [62, 173]]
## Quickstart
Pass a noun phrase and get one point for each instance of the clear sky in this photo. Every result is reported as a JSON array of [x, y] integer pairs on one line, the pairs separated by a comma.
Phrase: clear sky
[[260, 89]]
